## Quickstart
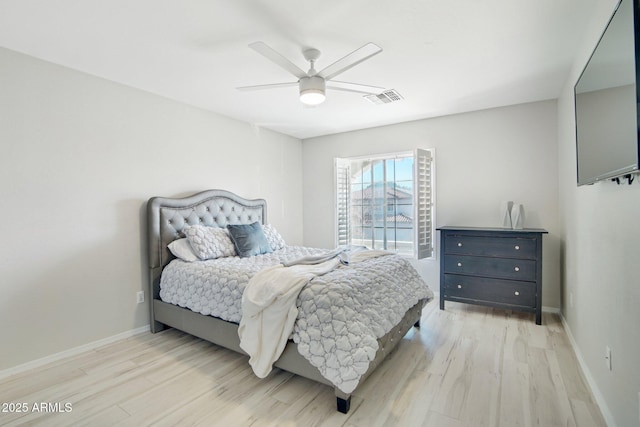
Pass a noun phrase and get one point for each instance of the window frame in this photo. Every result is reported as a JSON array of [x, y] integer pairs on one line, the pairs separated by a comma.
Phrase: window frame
[[423, 180]]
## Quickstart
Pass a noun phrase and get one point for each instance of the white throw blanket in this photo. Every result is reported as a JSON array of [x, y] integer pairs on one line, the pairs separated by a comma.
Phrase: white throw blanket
[[269, 310], [269, 305]]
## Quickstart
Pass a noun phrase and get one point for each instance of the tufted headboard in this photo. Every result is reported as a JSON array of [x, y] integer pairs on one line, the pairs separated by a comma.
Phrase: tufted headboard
[[166, 217]]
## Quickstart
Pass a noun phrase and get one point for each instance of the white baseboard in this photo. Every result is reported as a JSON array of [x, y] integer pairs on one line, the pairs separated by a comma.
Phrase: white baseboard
[[71, 352], [606, 413]]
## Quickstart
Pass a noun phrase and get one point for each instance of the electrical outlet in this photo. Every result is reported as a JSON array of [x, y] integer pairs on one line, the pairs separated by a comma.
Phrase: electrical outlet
[[140, 297], [607, 357]]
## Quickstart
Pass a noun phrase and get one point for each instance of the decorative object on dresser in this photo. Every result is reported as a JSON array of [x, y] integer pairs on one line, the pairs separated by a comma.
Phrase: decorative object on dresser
[[505, 209], [517, 216], [494, 267]]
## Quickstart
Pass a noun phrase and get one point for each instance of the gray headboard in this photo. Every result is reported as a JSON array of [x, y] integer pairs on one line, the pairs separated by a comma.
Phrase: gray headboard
[[166, 217]]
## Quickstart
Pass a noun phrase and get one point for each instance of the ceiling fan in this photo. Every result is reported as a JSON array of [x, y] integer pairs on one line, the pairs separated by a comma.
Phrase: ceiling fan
[[313, 84]]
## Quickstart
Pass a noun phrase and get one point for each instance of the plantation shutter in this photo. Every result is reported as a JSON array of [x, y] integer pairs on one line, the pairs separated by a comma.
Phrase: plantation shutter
[[343, 191], [423, 227]]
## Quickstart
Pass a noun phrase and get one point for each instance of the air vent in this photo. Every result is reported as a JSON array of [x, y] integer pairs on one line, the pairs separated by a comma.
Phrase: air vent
[[385, 97]]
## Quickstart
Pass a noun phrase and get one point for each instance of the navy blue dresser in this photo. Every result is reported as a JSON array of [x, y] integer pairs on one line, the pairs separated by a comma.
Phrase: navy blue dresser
[[496, 267]]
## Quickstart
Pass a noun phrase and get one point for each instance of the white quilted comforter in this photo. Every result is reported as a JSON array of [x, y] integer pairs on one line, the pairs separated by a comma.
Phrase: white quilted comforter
[[214, 287], [341, 314]]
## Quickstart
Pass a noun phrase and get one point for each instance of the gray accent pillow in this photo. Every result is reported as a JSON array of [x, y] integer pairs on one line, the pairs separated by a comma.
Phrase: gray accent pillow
[[209, 242], [249, 239]]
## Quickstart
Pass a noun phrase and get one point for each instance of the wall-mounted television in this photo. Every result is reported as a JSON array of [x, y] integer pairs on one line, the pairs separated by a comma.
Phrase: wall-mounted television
[[606, 101]]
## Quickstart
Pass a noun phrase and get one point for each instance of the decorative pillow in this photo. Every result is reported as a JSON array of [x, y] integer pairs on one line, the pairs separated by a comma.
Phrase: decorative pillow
[[273, 237], [181, 248], [209, 242], [249, 239]]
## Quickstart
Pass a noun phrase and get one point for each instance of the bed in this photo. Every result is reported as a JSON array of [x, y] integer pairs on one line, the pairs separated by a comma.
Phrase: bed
[[168, 218]]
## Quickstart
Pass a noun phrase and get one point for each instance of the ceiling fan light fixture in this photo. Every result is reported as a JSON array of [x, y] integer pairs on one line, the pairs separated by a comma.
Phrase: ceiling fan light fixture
[[312, 97], [312, 90]]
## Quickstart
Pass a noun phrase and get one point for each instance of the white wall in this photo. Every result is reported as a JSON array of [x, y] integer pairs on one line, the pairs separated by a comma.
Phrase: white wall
[[600, 236], [80, 156], [482, 159]]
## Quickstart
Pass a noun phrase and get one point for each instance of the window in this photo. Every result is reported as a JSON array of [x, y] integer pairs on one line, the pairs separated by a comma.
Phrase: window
[[386, 202]]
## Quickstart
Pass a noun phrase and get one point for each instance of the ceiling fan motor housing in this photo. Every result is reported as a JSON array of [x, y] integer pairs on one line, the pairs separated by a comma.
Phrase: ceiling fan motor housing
[[312, 90]]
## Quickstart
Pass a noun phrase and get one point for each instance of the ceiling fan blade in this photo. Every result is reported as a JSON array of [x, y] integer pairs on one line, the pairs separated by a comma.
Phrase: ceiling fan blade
[[266, 51], [269, 86], [355, 87], [351, 60]]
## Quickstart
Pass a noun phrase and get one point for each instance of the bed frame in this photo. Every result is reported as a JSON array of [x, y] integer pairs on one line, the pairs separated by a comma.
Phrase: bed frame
[[167, 217]]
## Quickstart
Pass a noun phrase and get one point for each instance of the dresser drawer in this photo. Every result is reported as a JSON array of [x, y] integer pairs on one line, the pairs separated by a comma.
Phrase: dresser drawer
[[505, 268], [482, 289], [509, 247]]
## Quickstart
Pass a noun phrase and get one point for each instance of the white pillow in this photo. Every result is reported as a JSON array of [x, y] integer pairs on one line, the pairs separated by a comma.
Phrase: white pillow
[[209, 242], [182, 249], [273, 237]]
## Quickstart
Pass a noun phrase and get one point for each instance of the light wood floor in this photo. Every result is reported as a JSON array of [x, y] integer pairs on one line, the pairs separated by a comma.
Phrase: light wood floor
[[466, 366]]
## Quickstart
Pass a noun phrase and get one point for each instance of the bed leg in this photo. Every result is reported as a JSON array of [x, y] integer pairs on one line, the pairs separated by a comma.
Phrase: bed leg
[[343, 404], [157, 327]]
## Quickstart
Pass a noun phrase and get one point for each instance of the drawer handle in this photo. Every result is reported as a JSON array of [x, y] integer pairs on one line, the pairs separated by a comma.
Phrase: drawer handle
[[517, 248], [517, 293], [459, 264], [517, 269], [459, 245], [459, 286]]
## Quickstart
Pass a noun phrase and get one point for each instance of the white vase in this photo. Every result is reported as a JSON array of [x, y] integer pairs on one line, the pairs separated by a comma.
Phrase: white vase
[[517, 216], [505, 210]]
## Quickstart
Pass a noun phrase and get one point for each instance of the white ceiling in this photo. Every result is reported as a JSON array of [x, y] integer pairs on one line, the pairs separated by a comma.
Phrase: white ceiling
[[442, 56]]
